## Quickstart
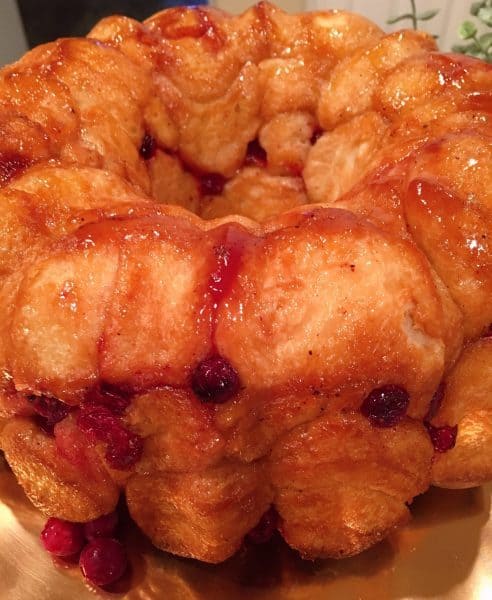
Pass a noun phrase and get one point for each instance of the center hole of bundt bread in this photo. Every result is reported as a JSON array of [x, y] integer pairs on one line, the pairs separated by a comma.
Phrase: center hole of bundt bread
[[257, 189], [168, 184]]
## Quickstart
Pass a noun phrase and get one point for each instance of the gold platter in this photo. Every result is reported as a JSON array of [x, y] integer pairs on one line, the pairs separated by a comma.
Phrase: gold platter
[[445, 552]]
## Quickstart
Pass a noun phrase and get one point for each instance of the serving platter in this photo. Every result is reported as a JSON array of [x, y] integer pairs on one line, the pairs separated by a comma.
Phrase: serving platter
[[444, 552]]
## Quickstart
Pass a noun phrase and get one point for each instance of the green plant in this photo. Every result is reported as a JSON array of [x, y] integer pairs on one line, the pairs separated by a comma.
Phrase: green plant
[[414, 16], [478, 45]]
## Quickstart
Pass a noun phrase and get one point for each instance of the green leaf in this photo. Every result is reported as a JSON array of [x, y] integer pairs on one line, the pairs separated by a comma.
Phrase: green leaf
[[464, 49], [467, 30], [475, 7], [485, 15], [394, 20], [427, 15], [485, 41], [477, 54]]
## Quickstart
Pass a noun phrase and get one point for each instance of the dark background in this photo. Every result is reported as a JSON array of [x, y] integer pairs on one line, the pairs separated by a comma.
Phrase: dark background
[[51, 19]]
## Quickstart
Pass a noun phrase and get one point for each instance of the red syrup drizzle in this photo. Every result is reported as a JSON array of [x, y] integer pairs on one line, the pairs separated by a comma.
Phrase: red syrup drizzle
[[10, 165], [433, 196], [452, 68], [212, 34], [478, 101], [228, 254], [445, 208], [172, 27], [214, 379]]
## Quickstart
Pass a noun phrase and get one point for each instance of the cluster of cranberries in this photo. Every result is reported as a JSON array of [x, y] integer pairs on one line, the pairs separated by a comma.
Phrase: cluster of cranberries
[[100, 420], [214, 380], [102, 558], [102, 424]]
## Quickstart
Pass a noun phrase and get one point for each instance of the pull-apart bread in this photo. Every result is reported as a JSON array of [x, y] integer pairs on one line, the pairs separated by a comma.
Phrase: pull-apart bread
[[245, 269]]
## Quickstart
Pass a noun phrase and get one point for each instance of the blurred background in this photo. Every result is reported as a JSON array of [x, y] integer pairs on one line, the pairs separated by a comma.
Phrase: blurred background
[[26, 23]]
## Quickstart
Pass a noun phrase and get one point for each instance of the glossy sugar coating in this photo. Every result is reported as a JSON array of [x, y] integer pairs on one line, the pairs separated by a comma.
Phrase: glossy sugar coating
[[293, 209]]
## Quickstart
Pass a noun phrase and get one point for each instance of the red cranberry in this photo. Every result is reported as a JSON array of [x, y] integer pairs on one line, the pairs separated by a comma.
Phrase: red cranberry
[[117, 404], [212, 184], [62, 538], [386, 406], [103, 561], [103, 527], [124, 447], [255, 155], [228, 256], [98, 422], [148, 147], [435, 403], [443, 438], [215, 380], [265, 529]]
